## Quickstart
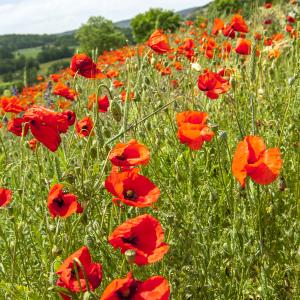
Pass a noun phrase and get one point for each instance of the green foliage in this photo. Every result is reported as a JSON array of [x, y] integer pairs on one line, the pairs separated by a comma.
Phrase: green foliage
[[57, 66], [23, 41], [99, 33], [144, 24], [226, 7], [54, 53]]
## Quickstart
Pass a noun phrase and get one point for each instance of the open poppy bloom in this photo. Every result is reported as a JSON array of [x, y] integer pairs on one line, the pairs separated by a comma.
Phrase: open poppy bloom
[[5, 197], [144, 235], [12, 104], [62, 90], [213, 84], [158, 42], [252, 159], [243, 46], [84, 127], [154, 288], [46, 125], [61, 203], [103, 103], [131, 188], [129, 154], [67, 274], [218, 25], [83, 65], [238, 24], [192, 129]]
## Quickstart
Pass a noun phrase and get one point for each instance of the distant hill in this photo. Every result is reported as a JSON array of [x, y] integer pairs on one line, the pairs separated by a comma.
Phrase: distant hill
[[185, 14], [24, 41]]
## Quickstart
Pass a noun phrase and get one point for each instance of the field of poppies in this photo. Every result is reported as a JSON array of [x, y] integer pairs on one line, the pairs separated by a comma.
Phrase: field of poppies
[[168, 170]]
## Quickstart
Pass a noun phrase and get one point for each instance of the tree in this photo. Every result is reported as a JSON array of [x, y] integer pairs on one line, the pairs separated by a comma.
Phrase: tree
[[232, 6], [144, 24], [99, 33]]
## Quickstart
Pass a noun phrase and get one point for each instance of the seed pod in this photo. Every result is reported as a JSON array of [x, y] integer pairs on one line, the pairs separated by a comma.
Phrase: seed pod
[[130, 256], [116, 111], [106, 132]]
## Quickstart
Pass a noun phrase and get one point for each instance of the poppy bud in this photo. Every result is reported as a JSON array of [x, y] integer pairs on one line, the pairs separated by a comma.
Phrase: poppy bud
[[93, 152], [213, 196], [56, 251], [282, 183], [130, 256], [116, 111], [107, 132], [232, 82], [153, 60]]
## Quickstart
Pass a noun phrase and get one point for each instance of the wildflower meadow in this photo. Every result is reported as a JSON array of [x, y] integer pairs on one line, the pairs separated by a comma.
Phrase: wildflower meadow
[[165, 170]]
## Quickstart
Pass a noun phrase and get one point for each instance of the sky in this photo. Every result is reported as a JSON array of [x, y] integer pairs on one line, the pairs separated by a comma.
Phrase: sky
[[54, 16]]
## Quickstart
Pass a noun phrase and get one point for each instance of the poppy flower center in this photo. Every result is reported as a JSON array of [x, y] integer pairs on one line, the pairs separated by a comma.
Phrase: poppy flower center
[[127, 293], [130, 195], [121, 157], [130, 240], [84, 128], [60, 202]]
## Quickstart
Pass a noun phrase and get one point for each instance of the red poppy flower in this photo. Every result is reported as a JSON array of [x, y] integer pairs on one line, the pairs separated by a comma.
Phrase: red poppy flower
[[129, 154], [103, 103], [5, 197], [154, 288], [62, 90], [131, 188], [218, 25], [238, 24], [290, 19], [67, 274], [124, 93], [192, 129], [62, 204], [70, 116], [32, 144], [84, 127], [83, 65], [228, 31], [46, 125], [117, 83], [158, 42], [252, 159], [268, 5], [243, 47], [15, 126], [55, 77], [144, 235], [213, 84], [12, 104]]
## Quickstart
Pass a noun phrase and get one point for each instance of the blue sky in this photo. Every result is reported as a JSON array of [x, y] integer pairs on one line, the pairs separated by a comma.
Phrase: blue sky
[[53, 16]]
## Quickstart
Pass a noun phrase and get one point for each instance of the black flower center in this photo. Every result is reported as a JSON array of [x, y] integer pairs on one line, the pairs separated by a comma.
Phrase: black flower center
[[121, 157], [130, 195], [130, 240], [59, 201]]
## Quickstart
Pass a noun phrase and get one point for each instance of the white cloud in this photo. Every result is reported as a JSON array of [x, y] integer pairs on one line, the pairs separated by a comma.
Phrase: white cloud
[[52, 16]]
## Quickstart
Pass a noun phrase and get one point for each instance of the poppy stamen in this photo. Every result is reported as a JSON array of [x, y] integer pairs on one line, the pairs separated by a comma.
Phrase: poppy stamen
[[130, 195]]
